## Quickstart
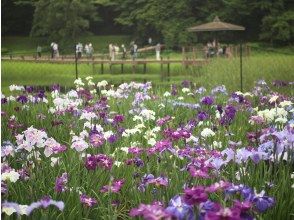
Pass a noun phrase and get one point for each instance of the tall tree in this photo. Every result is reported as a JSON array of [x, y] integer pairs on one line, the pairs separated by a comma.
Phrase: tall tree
[[62, 19], [278, 20], [162, 19]]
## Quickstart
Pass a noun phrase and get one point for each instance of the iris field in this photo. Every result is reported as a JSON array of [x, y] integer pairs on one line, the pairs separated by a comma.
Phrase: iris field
[[133, 151]]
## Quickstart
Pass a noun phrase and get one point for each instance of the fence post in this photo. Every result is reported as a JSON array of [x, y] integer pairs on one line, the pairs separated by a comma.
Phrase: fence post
[[168, 68], [102, 64], [76, 62], [161, 68], [93, 65], [241, 69], [145, 65]]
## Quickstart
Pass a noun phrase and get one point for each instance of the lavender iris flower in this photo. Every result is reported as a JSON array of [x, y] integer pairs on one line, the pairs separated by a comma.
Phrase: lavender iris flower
[[179, 209], [45, 203]]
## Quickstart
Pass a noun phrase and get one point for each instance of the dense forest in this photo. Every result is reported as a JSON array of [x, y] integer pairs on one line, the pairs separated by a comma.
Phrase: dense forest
[[265, 20]]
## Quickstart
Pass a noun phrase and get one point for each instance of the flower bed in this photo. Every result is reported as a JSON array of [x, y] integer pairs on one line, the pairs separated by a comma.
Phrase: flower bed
[[104, 152]]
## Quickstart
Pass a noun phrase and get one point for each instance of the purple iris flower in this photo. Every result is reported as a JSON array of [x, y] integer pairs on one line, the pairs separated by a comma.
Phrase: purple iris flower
[[24, 174], [206, 207], [96, 139], [118, 119], [3, 100], [224, 213], [113, 138], [151, 212], [22, 99], [87, 201], [55, 87], [4, 188], [135, 150], [60, 183], [262, 202], [202, 116], [179, 209], [174, 90], [41, 94], [114, 187], [91, 162], [195, 195], [29, 89], [207, 100]]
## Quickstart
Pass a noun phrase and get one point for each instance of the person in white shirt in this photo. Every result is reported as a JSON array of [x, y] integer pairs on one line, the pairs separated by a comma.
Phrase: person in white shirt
[[55, 50], [91, 50], [87, 50], [157, 50]]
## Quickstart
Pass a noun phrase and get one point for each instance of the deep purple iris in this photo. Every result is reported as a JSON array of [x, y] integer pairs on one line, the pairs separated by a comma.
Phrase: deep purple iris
[[202, 116], [207, 100], [41, 94], [3, 100], [60, 183], [29, 89], [101, 160], [118, 119], [195, 195], [22, 99], [91, 162]]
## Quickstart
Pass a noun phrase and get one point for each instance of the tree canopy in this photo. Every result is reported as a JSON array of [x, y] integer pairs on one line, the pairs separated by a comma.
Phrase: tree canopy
[[164, 20]]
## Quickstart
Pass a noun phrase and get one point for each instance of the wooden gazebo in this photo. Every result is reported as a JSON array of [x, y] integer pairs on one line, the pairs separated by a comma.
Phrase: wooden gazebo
[[215, 26]]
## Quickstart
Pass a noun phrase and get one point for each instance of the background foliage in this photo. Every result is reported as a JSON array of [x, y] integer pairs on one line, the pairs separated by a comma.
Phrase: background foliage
[[163, 20]]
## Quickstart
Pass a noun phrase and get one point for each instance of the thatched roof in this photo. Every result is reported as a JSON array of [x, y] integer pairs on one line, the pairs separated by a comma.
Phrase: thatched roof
[[216, 25]]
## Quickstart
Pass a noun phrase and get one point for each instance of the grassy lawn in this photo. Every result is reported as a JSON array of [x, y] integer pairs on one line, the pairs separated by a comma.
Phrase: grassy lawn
[[219, 71], [260, 65]]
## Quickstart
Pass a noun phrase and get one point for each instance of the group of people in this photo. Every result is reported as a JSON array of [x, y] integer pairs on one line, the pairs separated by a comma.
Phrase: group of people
[[114, 50], [214, 48], [87, 49]]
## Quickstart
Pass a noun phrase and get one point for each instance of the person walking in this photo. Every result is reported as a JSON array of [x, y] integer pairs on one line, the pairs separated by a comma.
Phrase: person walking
[[79, 50], [55, 50], [135, 51], [39, 51], [150, 41], [52, 50], [87, 50], [91, 50], [124, 51], [157, 50]]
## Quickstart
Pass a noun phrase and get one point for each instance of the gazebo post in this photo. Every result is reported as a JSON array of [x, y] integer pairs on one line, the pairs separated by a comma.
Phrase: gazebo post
[[241, 68]]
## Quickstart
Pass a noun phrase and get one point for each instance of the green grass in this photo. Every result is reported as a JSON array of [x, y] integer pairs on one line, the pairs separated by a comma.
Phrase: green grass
[[219, 71]]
